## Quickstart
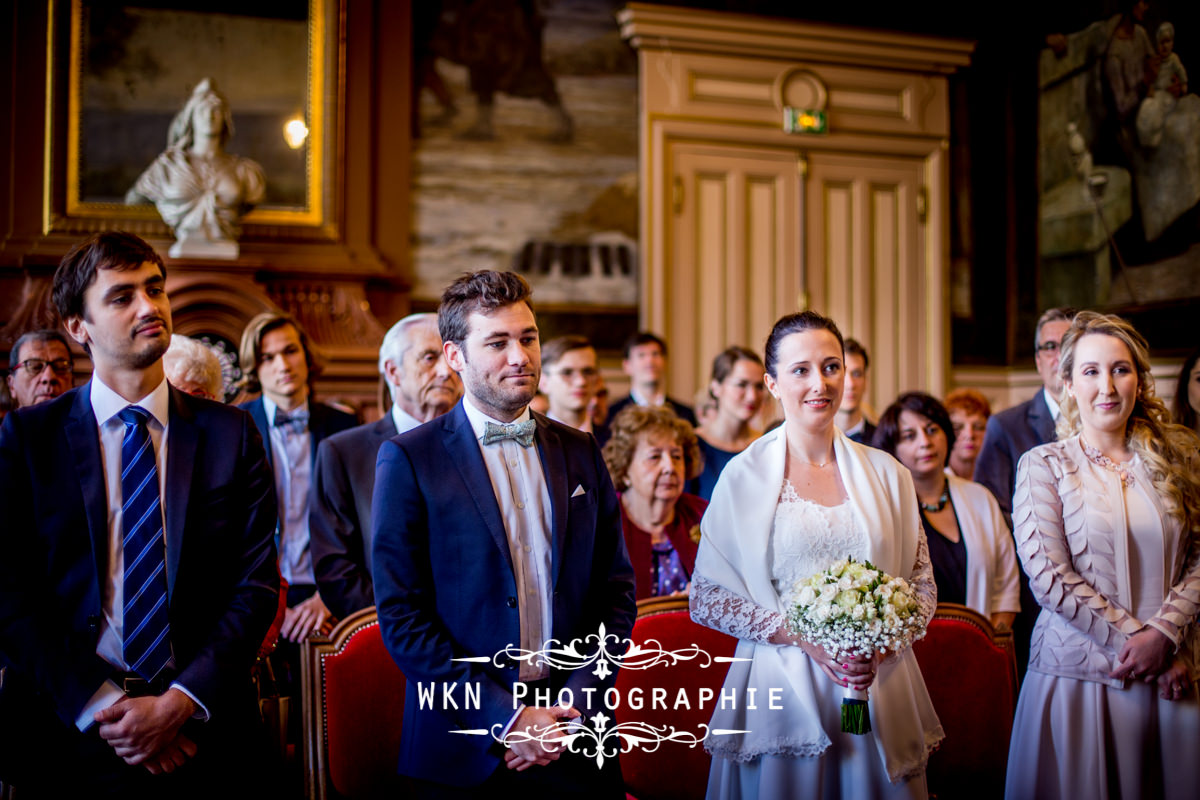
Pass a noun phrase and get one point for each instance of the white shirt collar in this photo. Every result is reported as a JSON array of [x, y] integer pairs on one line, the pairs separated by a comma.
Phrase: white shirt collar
[[1052, 403], [654, 402], [269, 408], [106, 403], [479, 420], [856, 427], [403, 420]]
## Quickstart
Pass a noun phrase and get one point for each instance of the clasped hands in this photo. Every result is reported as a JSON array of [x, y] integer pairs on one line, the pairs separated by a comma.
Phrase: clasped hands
[[1146, 657], [852, 672], [536, 751], [146, 730]]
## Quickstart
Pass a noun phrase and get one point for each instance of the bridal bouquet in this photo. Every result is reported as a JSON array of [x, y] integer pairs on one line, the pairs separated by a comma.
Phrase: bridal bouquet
[[855, 608]]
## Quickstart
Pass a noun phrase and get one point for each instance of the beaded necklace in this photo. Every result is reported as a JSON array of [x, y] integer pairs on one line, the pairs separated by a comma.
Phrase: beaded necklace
[[1122, 469], [934, 508]]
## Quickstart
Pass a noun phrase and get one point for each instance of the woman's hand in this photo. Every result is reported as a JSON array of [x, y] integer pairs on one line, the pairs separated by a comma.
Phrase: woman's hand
[[853, 672], [1144, 656], [1173, 683]]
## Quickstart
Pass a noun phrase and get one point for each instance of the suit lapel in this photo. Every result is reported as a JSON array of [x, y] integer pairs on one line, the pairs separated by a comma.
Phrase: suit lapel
[[464, 453], [83, 436], [183, 437], [259, 412], [554, 467], [316, 428], [1041, 420]]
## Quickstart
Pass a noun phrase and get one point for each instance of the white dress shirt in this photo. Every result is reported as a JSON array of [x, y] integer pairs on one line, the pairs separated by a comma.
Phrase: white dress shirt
[[106, 405], [524, 499], [291, 460], [403, 420]]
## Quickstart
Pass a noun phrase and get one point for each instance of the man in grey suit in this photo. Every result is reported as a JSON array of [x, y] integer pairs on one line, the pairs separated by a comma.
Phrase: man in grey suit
[[422, 387]]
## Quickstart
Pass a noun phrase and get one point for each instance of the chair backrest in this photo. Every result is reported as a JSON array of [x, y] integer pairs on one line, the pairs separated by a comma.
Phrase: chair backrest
[[352, 697], [673, 770], [970, 670]]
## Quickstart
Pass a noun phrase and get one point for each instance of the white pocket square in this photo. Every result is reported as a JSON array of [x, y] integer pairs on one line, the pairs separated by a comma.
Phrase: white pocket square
[[578, 491]]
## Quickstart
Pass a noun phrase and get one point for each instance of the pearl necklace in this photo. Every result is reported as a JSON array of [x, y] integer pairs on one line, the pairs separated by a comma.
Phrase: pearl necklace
[[934, 508], [1099, 458]]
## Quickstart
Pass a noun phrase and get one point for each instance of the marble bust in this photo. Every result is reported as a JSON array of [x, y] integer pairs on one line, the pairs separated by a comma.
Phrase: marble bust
[[200, 190]]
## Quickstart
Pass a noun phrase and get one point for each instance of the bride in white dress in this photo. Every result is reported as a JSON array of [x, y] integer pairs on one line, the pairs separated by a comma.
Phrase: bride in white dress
[[796, 500]]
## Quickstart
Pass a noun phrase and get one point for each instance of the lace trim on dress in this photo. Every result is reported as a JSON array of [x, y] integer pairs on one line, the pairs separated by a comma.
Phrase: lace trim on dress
[[915, 767], [716, 607], [781, 746]]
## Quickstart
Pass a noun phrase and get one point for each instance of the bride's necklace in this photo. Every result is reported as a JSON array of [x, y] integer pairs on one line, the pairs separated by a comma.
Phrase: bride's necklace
[[934, 508], [1122, 469]]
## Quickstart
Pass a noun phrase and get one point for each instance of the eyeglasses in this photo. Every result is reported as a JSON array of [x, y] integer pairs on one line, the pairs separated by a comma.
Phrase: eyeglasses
[[61, 366], [1048, 347], [567, 373]]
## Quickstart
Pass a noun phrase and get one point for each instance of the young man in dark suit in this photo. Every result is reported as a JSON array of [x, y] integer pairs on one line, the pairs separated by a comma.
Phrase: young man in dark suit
[[645, 363], [496, 527], [850, 417], [422, 387], [276, 354], [137, 563]]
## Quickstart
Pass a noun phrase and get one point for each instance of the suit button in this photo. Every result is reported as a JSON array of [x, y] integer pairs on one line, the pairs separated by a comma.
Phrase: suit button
[[511, 602], [93, 622]]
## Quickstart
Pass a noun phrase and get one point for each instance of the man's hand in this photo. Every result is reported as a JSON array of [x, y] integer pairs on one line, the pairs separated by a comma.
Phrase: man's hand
[[146, 729], [305, 618], [524, 754]]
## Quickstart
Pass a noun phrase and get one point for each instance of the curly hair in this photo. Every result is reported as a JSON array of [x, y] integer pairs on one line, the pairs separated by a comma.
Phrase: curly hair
[[968, 401], [633, 421], [1171, 451]]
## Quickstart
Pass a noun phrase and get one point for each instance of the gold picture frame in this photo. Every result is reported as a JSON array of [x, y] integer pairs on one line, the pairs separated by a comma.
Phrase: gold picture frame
[[77, 91]]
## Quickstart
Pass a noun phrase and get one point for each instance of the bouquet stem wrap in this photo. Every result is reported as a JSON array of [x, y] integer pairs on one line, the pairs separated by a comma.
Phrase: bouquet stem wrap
[[857, 609]]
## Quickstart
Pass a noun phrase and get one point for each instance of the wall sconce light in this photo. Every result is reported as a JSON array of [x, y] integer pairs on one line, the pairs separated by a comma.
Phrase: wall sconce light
[[295, 132]]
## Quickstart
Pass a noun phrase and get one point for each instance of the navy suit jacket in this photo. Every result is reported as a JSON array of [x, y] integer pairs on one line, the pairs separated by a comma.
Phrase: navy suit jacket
[[445, 586], [339, 515], [323, 421], [223, 584], [682, 410], [1010, 434]]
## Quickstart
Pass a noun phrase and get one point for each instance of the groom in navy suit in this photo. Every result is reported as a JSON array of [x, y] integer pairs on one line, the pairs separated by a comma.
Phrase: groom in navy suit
[[137, 564], [495, 527]]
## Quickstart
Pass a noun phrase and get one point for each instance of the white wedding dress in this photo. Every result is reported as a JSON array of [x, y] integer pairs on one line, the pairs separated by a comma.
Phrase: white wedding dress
[[805, 539]]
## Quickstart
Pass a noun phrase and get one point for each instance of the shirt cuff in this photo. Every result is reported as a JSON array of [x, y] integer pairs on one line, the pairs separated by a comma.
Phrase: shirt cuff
[[201, 711], [511, 721], [105, 696]]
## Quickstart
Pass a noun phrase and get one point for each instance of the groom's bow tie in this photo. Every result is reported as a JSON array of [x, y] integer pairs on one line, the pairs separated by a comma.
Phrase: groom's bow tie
[[519, 432]]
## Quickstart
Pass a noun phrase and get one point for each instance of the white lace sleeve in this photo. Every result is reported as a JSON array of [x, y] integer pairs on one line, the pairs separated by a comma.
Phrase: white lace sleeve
[[716, 607], [922, 579]]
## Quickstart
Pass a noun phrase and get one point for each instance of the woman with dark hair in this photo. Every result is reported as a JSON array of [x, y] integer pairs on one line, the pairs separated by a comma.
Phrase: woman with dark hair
[[795, 501], [1108, 528], [1187, 393], [737, 389], [651, 453], [969, 543]]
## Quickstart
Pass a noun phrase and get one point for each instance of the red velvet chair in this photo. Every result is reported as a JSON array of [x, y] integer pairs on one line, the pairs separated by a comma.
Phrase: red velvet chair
[[674, 771], [970, 670], [353, 707]]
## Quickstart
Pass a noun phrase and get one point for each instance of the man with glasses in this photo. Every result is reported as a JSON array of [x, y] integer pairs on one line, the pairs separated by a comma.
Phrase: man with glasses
[[570, 380], [42, 368], [1016, 430]]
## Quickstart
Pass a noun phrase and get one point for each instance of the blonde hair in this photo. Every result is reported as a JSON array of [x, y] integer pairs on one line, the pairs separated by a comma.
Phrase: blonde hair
[[1168, 449]]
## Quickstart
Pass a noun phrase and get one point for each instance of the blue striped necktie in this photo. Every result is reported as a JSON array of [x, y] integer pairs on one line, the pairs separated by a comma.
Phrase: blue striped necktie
[[147, 641]]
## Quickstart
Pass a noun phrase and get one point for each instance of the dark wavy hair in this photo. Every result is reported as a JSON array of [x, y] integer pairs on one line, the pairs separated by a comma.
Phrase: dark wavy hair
[[105, 250], [1185, 415], [635, 420], [478, 292], [887, 431], [798, 323]]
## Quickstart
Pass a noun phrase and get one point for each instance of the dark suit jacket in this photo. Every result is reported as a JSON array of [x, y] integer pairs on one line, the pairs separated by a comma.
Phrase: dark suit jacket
[[322, 421], [866, 435], [222, 579], [681, 410], [1009, 435], [339, 515], [445, 586]]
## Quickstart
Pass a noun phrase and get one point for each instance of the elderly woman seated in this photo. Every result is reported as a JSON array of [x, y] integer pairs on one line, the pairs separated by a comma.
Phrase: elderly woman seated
[[191, 366], [651, 454]]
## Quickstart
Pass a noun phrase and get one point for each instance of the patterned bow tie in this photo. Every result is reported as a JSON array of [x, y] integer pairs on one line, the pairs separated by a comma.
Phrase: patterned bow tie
[[297, 421], [519, 432]]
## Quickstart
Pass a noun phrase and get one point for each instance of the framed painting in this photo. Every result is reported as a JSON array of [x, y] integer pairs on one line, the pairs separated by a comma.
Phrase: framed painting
[[122, 71], [1119, 164], [525, 155]]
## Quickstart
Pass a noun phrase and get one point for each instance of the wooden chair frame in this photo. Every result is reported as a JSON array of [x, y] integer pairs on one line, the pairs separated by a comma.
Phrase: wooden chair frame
[[312, 698]]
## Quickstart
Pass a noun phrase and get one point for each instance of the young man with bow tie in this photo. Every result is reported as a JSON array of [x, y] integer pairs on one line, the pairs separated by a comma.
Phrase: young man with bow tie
[[494, 527]]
